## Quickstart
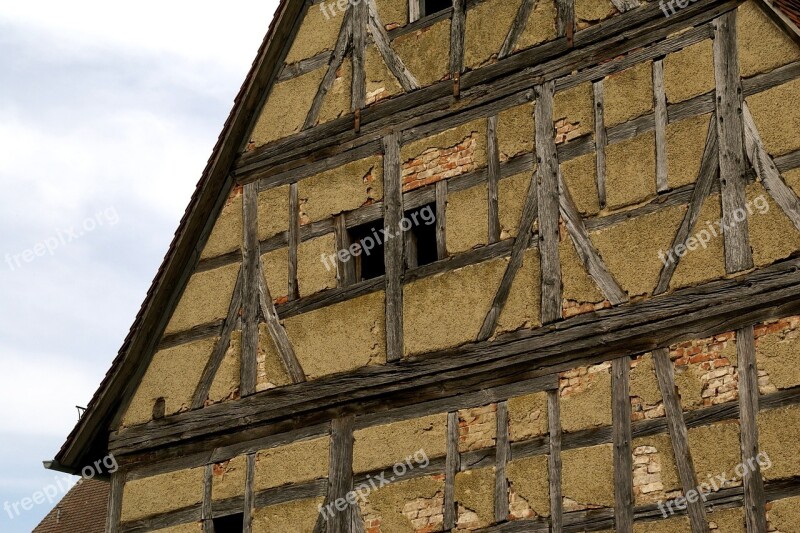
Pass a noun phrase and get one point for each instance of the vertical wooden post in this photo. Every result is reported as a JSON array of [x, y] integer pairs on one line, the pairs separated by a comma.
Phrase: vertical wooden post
[[493, 179], [414, 10], [548, 198], [600, 140], [565, 19], [502, 455], [249, 494], [660, 107], [457, 31], [394, 247], [441, 219], [679, 436], [452, 466], [250, 290], [554, 461], [207, 516], [294, 240], [340, 474], [115, 501], [623, 455], [345, 270], [359, 87], [730, 129], [754, 498]]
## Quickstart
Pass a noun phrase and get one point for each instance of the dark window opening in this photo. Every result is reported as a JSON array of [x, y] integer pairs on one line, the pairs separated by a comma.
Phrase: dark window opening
[[429, 7], [421, 237], [229, 524], [368, 264]]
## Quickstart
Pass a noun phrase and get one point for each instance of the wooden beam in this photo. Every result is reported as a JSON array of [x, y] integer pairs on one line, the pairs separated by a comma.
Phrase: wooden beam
[[249, 494], [502, 456], [660, 107], [452, 468], [565, 20], [441, 219], [600, 140], [345, 270], [665, 373], [220, 347], [114, 516], [208, 486], [521, 244], [414, 10], [493, 154], [548, 198], [250, 273], [519, 25], [393, 247], [457, 36], [339, 53], [754, 499], [554, 461], [407, 80], [760, 159], [340, 472], [706, 178], [360, 21], [276, 331], [623, 453], [304, 66], [294, 240], [692, 312], [738, 255], [588, 254]]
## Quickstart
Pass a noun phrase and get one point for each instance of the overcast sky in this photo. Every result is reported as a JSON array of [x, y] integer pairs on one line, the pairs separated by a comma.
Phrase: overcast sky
[[108, 114]]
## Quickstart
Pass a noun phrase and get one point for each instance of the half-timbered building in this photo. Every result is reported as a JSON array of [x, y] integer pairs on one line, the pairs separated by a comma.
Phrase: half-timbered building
[[479, 265]]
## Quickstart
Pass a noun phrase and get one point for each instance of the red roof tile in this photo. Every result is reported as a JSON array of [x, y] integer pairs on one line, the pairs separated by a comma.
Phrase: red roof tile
[[82, 510]]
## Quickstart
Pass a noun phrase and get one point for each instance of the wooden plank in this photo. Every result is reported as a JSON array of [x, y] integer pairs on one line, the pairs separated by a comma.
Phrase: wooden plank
[[554, 461], [340, 472], [390, 57], [738, 255], [339, 52], [519, 25], [623, 454], [600, 140], [760, 159], [393, 248], [493, 154], [660, 107], [588, 254], [294, 240], [345, 270], [360, 21], [502, 456], [548, 198], [754, 498], [665, 374], [521, 244], [276, 331], [220, 347], [706, 178], [249, 494], [114, 515], [457, 36], [693, 312], [452, 468], [251, 261], [441, 219]]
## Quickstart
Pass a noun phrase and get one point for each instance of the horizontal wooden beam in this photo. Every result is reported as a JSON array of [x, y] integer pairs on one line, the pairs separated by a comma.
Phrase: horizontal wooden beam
[[715, 307]]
